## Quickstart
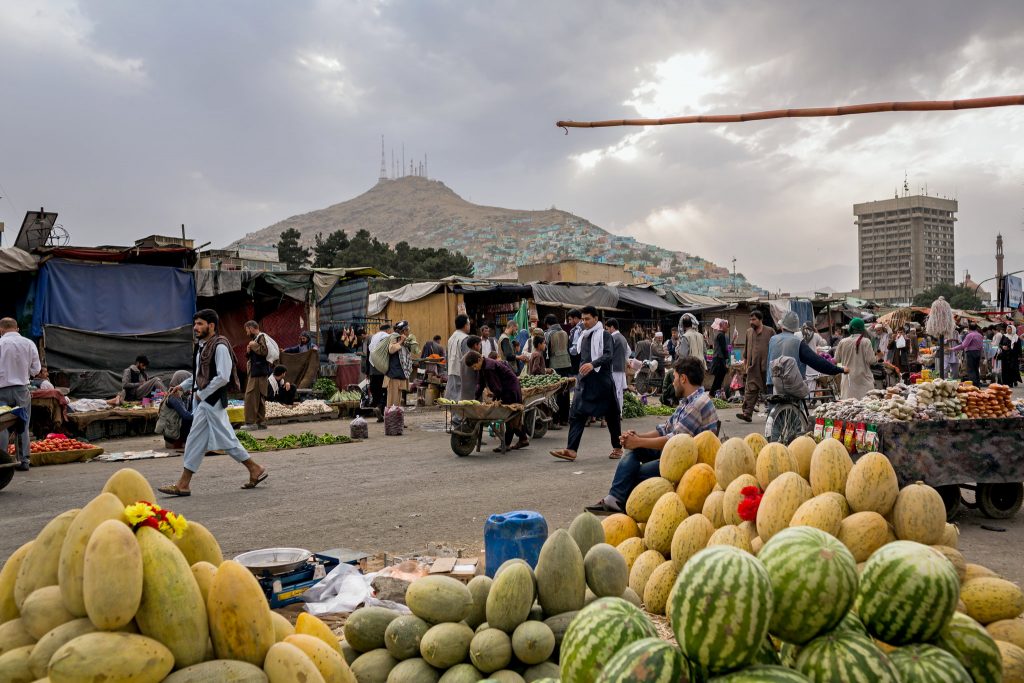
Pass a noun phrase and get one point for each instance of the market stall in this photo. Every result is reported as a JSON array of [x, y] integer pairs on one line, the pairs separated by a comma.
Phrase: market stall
[[114, 423]]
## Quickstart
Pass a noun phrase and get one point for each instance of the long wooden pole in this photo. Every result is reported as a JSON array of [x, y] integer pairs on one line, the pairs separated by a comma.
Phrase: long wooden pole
[[872, 108]]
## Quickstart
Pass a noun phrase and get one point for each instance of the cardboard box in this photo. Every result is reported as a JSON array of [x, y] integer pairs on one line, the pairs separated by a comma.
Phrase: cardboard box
[[461, 568]]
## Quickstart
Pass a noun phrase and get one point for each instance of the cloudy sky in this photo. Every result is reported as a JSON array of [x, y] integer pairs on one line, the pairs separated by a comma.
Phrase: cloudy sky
[[131, 118]]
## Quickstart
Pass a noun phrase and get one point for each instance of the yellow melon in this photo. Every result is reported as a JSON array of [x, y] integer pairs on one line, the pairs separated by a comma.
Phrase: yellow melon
[[642, 499], [630, 549], [1012, 657], [39, 568], [976, 571], [240, 623], [286, 663], [955, 557], [678, 455], [840, 500], [690, 538], [756, 442], [660, 583], [668, 512], [872, 485], [129, 486], [821, 512], [830, 466], [695, 487], [734, 496], [756, 545], [714, 508], [951, 536], [8, 578], [71, 564], [642, 569], [773, 460], [284, 628], [707, 447], [1010, 630], [781, 500], [112, 576], [751, 530], [863, 533], [919, 514], [802, 448], [989, 599], [329, 662], [311, 625], [734, 458], [730, 534], [197, 544], [619, 527]]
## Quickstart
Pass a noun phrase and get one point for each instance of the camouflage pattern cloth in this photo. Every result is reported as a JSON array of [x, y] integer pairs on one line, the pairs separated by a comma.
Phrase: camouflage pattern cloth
[[984, 451]]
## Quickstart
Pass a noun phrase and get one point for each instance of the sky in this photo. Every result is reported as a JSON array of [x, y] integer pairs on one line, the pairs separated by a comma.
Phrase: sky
[[131, 118]]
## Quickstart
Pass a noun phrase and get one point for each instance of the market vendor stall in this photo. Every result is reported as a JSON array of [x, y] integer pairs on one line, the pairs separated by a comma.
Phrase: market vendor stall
[[49, 411], [114, 423]]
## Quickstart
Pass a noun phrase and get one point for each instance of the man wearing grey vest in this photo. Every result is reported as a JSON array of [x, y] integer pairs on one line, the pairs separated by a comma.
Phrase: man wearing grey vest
[[788, 343]]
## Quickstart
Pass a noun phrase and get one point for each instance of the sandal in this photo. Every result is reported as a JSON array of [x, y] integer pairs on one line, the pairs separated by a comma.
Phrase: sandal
[[615, 454], [253, 483], [601, 508], [173, 490], [522, 443], [564, 454]]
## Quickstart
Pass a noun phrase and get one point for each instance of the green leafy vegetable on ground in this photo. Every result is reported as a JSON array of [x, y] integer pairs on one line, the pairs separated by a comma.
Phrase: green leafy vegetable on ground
[[720, 403], [303, 440], [658, 410], [631, 406]]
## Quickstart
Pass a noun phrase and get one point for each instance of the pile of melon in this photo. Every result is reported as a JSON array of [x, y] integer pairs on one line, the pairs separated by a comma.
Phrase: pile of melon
[[90, 600], [694, 505], [508, 629]]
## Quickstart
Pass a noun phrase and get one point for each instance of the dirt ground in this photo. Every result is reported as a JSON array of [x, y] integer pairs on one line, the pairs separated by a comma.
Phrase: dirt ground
[[397, 495]]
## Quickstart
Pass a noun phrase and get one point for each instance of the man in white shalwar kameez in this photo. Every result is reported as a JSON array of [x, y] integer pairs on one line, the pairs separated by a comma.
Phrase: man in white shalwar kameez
[[456, 350], [214, 373]]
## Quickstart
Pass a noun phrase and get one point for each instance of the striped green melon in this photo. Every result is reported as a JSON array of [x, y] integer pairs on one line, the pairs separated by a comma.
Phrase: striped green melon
[[788, 652], [907, 593], [846, 656], [767, 654], [650, 659], [601, 629], [928, 664], [762, 674], [974, 648], [852, 623], [720, 607], [814, 582]]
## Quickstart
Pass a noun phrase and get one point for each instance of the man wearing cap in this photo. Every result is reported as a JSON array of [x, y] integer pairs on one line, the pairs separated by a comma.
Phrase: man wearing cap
[[788, 343]]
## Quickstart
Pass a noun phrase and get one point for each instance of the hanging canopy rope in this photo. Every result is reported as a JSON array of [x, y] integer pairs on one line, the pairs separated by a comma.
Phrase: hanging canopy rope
[[872, 108]]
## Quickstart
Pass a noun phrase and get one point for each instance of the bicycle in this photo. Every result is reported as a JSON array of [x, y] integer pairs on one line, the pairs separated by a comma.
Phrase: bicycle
[[790, 416]]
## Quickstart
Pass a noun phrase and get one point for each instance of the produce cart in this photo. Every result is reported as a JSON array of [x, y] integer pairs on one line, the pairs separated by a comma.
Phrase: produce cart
[[981, 455], [466, 422]]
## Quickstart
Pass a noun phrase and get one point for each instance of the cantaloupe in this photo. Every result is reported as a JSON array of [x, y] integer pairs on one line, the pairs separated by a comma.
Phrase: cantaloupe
[[802, 448], [695, 487], [690, 538], [667, 514], [642, 499], [619, 527], [872, 485], [781, 500], [707, 447], [830, 466], [734, 458], [773, 460], [678, 455], [734, 496]]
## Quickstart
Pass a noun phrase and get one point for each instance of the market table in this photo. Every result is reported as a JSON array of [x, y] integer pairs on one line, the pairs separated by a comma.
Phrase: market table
[[984, 455], [114, 422]]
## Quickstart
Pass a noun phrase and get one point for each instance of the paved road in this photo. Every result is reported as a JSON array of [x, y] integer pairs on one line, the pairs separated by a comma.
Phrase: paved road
[[399, 495]]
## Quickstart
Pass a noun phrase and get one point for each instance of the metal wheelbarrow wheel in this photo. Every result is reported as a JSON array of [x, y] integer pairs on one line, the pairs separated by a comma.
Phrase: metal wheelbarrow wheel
[[463, 444]]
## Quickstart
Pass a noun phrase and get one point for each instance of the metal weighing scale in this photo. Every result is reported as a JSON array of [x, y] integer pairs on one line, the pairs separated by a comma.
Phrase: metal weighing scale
[[286, 573]]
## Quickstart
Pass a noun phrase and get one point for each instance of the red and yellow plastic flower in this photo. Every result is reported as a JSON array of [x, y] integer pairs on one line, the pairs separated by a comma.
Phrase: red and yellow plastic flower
[[144, 513]]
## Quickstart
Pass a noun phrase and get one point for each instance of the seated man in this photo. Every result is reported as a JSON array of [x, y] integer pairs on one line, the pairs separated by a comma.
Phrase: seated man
[[497, 377], [136, 384], [695, 414], [174, 419], [278, 389], [305, 344], [42, 380]]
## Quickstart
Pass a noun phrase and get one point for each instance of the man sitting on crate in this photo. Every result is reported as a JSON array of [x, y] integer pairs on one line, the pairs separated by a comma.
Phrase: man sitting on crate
[[696, 413], [136, 384], [280, 390], [497, 377]]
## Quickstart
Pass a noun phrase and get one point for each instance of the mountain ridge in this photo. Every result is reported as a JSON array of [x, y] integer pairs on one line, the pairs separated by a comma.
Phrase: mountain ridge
[[425, 212]]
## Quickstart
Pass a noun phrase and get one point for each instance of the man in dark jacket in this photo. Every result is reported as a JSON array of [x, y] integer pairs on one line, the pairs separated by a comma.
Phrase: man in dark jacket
[[497, 377], [136, 384], [595, 388]]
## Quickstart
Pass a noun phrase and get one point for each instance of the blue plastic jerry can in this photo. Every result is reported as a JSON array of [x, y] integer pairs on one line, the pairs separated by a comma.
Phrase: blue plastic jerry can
[[511, 535]]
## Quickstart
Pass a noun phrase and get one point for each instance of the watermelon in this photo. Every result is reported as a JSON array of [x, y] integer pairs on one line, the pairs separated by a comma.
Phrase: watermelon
[[720, 607], [762, 674], [600, 630], [974, 648], [846, 656], [928, 664], [851, 622], [814, 582], [767, 654], [650, 659], [908, 593]]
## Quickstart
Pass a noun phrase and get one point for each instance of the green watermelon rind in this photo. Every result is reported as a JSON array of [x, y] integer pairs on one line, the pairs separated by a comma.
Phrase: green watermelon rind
[[846, 656], [762, 674], [907, 593], [600, 630], [973, 647], [719, 607], [923, 663], [814, 582], [651, 660]]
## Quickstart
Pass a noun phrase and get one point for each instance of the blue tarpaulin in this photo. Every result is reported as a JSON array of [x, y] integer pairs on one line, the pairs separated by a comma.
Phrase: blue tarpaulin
[[115, 299]]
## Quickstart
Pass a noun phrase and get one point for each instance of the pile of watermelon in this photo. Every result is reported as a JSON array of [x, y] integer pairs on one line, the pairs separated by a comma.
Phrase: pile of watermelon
[[51, 445]]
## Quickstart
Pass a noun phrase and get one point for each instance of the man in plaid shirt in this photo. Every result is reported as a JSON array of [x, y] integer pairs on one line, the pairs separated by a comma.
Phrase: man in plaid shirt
[[696, 413]]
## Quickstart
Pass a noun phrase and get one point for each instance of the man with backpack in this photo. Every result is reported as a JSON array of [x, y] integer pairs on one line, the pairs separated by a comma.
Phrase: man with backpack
[[374, 373], [261, 353], [789, 356]]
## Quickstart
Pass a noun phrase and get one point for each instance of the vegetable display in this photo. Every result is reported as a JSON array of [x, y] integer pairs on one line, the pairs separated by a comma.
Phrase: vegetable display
[[310, 407], [936, 400], [539, 380], [325, 386], [54, 445], [303, 440], [341, 396]]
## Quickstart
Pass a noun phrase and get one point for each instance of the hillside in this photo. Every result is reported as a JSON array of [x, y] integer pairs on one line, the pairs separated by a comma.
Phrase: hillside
[[426, 212]]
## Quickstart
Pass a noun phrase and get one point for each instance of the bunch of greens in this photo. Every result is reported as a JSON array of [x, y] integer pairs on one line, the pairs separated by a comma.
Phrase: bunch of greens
[[303, 440], [720, 403], [325, 386], [658, 410], [631, 406]]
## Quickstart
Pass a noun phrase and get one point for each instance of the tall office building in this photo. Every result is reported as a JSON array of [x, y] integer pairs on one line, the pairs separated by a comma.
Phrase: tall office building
[[905, 245]]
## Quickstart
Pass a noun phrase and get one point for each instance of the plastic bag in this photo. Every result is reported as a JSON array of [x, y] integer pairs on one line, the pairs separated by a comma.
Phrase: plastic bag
[[342, 590], [273, 350], [358, 429], [394, 421]]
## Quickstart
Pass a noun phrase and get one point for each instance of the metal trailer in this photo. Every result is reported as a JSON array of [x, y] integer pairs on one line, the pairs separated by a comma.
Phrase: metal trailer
[[985, 456], [466, 423]]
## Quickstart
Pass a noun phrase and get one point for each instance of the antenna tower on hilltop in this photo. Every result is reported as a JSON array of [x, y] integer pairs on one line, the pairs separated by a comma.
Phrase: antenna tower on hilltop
[[383, 164]]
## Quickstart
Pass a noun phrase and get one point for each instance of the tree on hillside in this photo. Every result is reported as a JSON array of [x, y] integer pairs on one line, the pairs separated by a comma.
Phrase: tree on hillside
[[290, 252], [958, 296], [326, 249]]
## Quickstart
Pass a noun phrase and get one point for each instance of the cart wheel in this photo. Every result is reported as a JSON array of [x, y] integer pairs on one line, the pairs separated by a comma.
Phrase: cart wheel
[[6, 474], [463, 444], [788, 423], [540, 428], [951, 499], [1000, 501]]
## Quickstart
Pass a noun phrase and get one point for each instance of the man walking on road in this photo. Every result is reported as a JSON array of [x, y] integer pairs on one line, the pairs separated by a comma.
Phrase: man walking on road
[[456, 350], [215, 374], [258, 373], [755, 355], [19, 363]]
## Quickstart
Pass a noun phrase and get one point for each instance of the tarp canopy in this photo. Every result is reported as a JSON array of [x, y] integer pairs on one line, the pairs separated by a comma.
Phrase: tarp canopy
[[116, 299], [599, 296], [94, 361], [14, 260], [642, 297], [411, 292], [693, 303], [324, 279], [210, 283]]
